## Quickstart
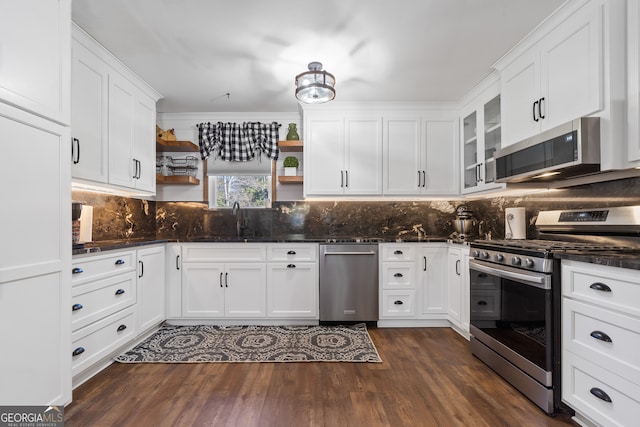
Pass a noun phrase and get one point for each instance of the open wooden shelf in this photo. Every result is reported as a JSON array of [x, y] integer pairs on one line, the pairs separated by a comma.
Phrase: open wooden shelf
[[163, 145], [290, 145], [290, 179], [177, 179]]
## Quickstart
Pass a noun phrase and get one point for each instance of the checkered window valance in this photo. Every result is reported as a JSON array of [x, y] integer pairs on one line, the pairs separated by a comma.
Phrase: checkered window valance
[[236, 142]]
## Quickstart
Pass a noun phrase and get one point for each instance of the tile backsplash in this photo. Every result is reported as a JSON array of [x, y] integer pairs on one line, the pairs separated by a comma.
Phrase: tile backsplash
[[117, 218]]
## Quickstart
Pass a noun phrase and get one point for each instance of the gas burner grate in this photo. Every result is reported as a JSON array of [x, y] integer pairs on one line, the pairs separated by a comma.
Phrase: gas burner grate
[[555, 245]]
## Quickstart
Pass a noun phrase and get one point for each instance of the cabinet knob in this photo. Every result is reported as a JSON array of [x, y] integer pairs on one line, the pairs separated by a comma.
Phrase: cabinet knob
[[598, 286], [78, 351], [76, 307], [119, 262], [398, 275], [120, 292], [600, 394], [599, 335], [77, 270], [122, 328], [291, 253], [398, 302]]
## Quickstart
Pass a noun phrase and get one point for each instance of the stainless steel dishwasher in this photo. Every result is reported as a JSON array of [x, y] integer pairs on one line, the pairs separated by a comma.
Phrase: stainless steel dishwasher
[[348, 282]]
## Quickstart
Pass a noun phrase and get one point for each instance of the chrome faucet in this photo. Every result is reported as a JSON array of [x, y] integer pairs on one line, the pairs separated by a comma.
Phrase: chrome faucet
[[235, 210]]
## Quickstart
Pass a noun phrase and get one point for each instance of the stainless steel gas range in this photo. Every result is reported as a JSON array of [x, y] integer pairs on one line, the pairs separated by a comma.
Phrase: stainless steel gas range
[[516, 294]]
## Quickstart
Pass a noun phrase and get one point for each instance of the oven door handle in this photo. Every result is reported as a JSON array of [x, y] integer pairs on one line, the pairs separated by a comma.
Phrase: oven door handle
[[541, 281]]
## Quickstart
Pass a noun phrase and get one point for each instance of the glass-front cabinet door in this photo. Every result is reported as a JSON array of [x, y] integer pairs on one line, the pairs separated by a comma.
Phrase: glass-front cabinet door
[[481, 132]]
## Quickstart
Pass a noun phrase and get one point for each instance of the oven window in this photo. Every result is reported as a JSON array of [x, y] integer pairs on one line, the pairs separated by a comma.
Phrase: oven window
[[514, 314]]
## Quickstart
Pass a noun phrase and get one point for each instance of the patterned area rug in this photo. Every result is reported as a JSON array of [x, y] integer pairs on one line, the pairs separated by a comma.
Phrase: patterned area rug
[[205, 343]]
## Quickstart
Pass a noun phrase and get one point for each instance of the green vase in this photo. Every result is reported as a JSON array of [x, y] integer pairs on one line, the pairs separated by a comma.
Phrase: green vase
[[292, 135]]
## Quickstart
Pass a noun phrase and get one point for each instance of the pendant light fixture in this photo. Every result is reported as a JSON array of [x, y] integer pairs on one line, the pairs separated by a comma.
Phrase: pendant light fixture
[[316, 85]]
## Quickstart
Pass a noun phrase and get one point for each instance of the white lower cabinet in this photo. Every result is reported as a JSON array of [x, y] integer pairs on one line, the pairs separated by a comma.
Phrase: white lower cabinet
[[413, 284], [116, 297], [260, 282], [150, 287], [458, 288], [600, 343], [211, 289], [292, 290]]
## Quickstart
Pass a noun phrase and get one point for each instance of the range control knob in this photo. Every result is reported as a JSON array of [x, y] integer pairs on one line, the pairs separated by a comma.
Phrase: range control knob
[[475, 253], [485, 255], [516, 260], [528, 262], [499, 257]]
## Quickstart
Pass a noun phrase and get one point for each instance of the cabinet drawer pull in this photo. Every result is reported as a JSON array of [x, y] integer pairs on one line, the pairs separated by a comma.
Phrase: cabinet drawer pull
[[226, 280], [540, 108], [598, 286], [77, 270], [78, 351], [141, 269], [76, 307], [120, 292], [221, 280], [397, 252], [398, 275], [599, 335], [291, 253], [424, 258], [398, 302], [600, 394], [177, 262], [291, 266], [119, 262], [482, 303], [535, 119], [122, 328]]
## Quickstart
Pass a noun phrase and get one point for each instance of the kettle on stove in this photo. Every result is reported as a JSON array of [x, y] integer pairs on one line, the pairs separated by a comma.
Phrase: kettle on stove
[[464, 223]]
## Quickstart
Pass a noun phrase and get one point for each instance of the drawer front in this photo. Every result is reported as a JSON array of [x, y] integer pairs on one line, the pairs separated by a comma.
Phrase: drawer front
[[293, 252], [398, 275], [93, 301], [580, 379], [607, 286], [391, 252], [587, 330], [398, 304], [99, 266], [100, 339], [485, 304], [222, 252]]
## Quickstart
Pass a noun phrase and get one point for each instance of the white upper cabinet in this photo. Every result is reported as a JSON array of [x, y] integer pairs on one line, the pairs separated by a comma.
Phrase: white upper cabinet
[[131, 136], [559, 78], [343, 154], [364, 151], [35, 57], [420, 154], [89, 100], [633, 72], [481, 131], [113, 120]]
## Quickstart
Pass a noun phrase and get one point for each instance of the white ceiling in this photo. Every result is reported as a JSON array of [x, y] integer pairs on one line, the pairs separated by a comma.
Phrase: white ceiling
[[194, 52]]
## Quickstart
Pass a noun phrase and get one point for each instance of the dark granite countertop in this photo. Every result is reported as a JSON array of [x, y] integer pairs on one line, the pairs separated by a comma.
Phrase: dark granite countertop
[[109, 245], [629, 260]]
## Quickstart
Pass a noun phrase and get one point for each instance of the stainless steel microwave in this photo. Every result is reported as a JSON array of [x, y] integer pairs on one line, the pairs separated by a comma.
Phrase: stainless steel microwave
[[566, 151]]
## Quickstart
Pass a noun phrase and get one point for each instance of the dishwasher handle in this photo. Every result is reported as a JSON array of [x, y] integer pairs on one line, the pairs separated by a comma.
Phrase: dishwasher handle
[[349, 253]]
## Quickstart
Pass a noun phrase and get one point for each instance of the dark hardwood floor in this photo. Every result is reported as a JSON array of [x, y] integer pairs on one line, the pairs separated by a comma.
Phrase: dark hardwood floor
[[428, 378]]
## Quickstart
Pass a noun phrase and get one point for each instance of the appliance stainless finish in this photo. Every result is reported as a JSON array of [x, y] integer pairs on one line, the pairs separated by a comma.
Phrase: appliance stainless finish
[[566, 151], [516, 294], [349, 281]]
